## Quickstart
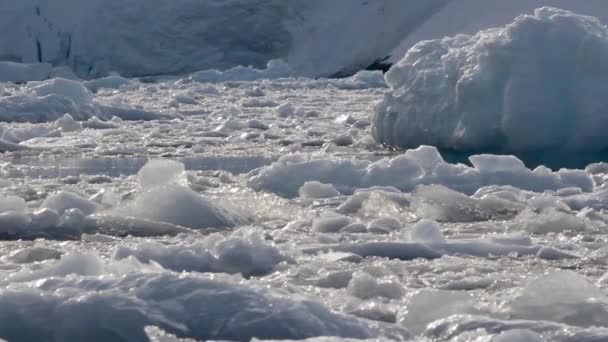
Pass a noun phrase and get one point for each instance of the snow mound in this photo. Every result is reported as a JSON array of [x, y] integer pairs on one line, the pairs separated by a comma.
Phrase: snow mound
[[408, 170], [78, 292], [152, 37], [244, 251], [494, 90]]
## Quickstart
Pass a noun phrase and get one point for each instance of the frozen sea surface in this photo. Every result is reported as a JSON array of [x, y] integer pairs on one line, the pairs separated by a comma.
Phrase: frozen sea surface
[[245, 204]]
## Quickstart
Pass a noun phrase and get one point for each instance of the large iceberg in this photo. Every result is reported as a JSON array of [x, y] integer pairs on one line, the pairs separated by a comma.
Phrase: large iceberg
[[538, 84], [151, 37]]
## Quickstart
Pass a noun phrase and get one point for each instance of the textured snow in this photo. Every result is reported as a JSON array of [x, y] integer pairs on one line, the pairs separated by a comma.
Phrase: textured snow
[[492, 91]]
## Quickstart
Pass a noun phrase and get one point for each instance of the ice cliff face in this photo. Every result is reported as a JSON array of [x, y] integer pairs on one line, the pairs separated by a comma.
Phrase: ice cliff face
[[137, 37]]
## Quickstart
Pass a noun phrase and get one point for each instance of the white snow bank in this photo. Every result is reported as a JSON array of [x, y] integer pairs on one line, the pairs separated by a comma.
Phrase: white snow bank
[[51, 99], [154, 37], [408, 170], [244, 251], [126, 298], [537, 84]]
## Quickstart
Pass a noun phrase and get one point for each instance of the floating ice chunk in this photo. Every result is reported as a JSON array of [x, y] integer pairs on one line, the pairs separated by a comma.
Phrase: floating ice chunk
[[430, 250], [180, 206], [24, 72], [436, 202], [72, 90], [159, 172], [128, 299], [63, 201], [289, 173], [244, 251], [343, 140], [426, 231], [355, 227], [340, 256], [373, 310], [391, 250], [110, 82], [34, 254], [274, 69], [30, 108], [406, 171], [316, 189], [384, 225], [12, 203], [494, 90], [428, 157], [67, 124], [427, 306], [383, 201], [44, 219], [518, 335], [106, 197], [12, 223], [562, 296], [155, 334], [49, 100], [286, 110], [367, 79], [456, 327], [71, 263], [550, 221], [365, 286], [331, 223], [125, 225]]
